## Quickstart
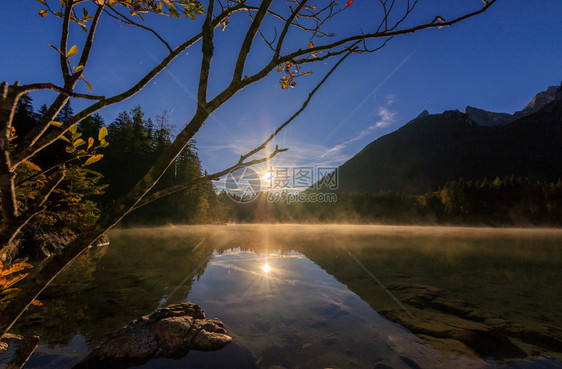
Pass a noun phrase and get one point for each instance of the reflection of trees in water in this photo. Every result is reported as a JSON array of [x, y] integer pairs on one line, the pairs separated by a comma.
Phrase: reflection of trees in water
[[107, 288]]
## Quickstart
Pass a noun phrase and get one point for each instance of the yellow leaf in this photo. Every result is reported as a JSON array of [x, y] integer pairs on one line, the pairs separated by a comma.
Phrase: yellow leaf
[[43, 13], [36, 303], [16, 279], [15, 268], [73, 129], [90, 142], [73, 50], [103, 132], [64, 139], [80, 68], [56, 124], [93, 159], [30, 165], [89, 85], [56, 49], [79, 142]]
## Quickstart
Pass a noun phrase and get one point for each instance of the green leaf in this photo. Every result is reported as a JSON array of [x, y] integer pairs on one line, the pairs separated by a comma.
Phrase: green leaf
[[103, 132], [93, 159], [73, 51]]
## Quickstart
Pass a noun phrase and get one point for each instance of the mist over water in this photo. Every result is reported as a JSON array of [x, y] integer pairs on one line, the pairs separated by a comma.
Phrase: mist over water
[[316, 306]]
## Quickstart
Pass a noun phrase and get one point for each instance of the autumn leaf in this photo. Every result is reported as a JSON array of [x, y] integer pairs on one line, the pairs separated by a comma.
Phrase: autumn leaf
[[14, 268], [73, 50], [348, 3], [102, 133], [79, 142], [43, 13], [93, 159], [90, 142], [56, 49], [310, 45], [88, 84], [30, 165]]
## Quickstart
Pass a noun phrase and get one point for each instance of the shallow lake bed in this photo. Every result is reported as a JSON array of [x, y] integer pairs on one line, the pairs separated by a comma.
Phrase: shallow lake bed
[[323, 300]]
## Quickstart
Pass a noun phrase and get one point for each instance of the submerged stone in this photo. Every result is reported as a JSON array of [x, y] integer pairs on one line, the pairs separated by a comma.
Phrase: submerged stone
[[168, 333]]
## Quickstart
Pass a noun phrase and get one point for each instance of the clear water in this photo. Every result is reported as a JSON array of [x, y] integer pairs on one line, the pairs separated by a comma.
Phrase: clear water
[[316, 307]]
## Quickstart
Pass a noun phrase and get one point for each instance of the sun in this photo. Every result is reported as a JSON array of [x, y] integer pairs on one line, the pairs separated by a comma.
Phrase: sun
[[268, 177], [266, 268]]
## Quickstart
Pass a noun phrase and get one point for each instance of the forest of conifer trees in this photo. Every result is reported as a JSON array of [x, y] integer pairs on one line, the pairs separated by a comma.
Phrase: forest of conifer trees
[[135, 141]]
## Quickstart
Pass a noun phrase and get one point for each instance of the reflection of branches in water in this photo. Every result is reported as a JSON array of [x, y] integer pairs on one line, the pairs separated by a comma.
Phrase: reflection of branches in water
[[100, 294], [102, 291]]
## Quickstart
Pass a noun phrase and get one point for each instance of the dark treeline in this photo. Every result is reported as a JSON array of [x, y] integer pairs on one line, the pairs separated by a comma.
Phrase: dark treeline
[[136, 141], [501, 202], [134, 144]]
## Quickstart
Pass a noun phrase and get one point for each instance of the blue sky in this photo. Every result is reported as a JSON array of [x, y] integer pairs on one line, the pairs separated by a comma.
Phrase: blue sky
[[495, 61]]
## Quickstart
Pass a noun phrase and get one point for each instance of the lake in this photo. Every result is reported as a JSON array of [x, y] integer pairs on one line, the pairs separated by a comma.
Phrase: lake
[[320, 296]]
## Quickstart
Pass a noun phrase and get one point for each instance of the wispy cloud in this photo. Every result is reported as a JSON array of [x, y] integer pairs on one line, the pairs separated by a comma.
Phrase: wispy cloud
[[386, 117]]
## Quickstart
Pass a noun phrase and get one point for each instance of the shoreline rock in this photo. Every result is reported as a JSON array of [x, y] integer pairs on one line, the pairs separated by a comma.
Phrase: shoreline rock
[[170, 332], [452, 325]]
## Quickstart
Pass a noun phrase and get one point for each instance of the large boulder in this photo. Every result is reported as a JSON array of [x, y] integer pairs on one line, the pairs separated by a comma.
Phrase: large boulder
[[168, 333]]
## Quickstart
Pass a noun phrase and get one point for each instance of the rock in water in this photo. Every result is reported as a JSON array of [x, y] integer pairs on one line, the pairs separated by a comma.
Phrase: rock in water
[[168, 333]]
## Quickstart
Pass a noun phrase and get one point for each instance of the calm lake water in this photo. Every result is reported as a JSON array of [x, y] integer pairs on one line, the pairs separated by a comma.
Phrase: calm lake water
[[316, 304]]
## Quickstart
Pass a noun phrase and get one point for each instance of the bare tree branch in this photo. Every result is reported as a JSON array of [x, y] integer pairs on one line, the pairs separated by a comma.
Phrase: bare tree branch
[[122, 18], [113, 215], [50, 138], [247, 43], [297, 113], [384, 34], [64, 41], [60, 90], [208, 50], [35, 134], [286, 28], [171, 190]]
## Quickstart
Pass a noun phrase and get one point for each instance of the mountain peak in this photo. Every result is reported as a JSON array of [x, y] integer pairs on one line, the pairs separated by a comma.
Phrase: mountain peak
[[539, 101], [492, 119], [424, 113], [488, 118]]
